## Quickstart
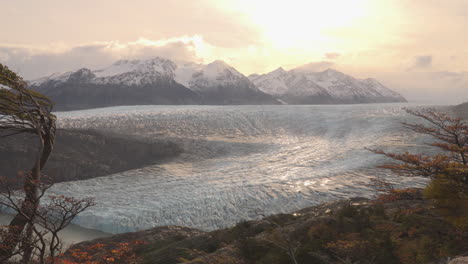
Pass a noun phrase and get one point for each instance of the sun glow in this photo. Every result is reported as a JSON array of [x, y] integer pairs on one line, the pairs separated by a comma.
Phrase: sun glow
[[294, 23]]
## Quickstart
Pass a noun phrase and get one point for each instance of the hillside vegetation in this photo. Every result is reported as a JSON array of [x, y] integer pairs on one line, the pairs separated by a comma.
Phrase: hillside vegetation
[[462, 110], [401, 227]]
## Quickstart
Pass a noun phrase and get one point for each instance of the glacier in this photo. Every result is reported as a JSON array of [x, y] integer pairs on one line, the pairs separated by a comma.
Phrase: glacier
[[239, 162]]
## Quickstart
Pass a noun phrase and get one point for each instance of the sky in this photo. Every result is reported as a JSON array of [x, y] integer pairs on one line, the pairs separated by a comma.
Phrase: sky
[[416, 47]]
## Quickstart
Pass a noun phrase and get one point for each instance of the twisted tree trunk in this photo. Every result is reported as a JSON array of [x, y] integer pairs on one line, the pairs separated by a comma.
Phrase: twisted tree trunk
[[29, 205], [25, 111]]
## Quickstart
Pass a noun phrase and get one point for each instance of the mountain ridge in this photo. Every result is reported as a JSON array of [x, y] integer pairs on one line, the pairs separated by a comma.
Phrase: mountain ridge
[[302, 85], [153, 81], [162, 81], [461, 110]]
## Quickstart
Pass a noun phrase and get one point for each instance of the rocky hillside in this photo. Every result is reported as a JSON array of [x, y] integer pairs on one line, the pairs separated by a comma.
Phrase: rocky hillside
[[305, 86], [401, 228], [151, 82], [461, 110], [82, 155]]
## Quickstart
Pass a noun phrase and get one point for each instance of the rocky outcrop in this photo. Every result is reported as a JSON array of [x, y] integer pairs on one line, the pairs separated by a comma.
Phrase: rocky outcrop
[[462, 260]]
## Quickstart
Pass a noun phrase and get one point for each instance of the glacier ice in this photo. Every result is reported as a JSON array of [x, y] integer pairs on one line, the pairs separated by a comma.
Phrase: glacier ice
[[239, 163]]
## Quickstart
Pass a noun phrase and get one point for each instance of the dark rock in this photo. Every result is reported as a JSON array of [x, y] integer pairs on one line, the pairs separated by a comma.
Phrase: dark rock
[[461, 110], [80, 155]]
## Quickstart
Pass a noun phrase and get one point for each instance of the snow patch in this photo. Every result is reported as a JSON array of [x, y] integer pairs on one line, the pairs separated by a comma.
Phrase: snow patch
[[304, 82], [194, 76]]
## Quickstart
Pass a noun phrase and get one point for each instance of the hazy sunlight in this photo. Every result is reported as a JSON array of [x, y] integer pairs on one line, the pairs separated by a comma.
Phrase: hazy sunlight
[[301, 22]]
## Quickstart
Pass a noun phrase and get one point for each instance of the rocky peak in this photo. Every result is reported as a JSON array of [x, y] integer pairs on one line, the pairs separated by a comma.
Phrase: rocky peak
[[82, 75], [279, 71]]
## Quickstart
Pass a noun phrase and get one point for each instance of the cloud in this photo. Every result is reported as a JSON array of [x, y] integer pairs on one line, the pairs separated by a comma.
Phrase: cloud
[[434, 87], [332, 55], [85, 21], [33, 63], [317, 66], [422, 61]]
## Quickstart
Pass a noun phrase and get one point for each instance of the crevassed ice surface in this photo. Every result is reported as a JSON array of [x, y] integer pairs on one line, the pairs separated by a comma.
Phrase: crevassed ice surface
[[239, 162]]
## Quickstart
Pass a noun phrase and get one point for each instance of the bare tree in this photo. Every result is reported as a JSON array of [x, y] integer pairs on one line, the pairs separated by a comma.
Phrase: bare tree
[[451, 136], [54, 217], [283, 239], [41, 240]]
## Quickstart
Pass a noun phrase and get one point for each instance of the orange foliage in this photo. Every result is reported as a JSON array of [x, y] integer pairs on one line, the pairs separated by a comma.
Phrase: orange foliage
[[399, 194], [114, 253], [349, 248], [451, 135]]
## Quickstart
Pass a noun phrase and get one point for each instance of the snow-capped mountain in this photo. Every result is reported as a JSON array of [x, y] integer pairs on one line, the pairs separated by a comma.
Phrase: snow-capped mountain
[[203, 77], [154, 81], [128, 72], [303, 86], [219, 83], [122, 83]]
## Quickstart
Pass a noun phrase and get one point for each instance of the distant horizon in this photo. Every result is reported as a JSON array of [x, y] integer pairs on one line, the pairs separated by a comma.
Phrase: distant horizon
[[410, 100]]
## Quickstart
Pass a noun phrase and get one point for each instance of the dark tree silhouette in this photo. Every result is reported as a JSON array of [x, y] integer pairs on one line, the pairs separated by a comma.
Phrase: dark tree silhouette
[[33, 232], [25, 111]]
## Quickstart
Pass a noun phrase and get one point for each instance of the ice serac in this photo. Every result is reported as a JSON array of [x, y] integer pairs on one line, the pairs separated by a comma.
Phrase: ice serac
[[157, 81], [305, 86]]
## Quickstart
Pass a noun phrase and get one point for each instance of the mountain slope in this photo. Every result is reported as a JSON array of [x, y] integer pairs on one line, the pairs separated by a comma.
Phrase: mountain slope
[[219, 83], [123, 83], [303, 86], [461, 110], [155, 81], [84, 154], [358, 229]]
